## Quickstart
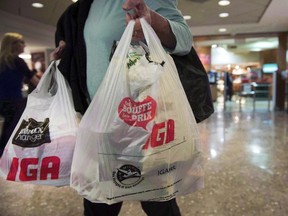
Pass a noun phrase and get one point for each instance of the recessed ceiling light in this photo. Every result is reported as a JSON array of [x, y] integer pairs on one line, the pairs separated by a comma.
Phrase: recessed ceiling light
[[222, 29], [224, 2], [222, 15], [187, 17], [74, 0], [37, 5]]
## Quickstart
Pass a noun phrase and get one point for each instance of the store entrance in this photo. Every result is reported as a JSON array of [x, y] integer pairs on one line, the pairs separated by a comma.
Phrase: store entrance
[[245, 86]]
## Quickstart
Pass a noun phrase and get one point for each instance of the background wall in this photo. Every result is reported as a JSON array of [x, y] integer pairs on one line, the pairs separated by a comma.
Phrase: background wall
[[220, 56]]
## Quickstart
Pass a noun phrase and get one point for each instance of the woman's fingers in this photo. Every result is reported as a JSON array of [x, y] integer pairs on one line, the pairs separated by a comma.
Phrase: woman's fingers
[[57, 52]]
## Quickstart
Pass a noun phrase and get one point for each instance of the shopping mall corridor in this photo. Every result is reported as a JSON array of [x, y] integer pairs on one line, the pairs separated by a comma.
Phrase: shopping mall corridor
[[246, 172]]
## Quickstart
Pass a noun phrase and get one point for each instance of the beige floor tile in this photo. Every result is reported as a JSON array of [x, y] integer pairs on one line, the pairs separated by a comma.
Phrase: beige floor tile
[[246, 172]]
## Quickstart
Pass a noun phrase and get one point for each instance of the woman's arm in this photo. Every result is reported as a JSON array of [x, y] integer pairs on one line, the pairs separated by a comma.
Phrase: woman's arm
[[22, 66], [163, 29], [34, 80]]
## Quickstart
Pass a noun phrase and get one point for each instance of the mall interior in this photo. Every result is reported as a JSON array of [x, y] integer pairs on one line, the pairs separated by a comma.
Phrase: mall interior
[[244, 141]]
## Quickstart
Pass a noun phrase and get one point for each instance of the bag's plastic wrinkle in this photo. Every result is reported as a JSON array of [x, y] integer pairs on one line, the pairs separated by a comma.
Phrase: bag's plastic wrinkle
[[141, 73], [138, 140]]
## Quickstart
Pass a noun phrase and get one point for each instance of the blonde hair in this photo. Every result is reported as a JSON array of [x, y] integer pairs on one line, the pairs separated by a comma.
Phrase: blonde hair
[[6, 51]]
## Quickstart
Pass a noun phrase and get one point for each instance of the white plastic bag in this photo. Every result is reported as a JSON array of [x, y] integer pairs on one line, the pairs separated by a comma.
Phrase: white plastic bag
[[138, 140], [41, 147]]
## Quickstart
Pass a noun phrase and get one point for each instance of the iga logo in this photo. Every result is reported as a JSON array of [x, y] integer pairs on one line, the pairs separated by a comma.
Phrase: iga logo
[[32, 133], [127, 176], [162, 133], [33, 169], [137, 114]]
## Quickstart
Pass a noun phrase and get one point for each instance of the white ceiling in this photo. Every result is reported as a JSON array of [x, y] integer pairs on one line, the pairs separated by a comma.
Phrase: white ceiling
[[247, 17]]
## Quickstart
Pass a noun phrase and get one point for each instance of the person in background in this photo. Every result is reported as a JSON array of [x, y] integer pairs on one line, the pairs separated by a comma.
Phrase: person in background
[[229, 86], [13, 70], [84, 38]]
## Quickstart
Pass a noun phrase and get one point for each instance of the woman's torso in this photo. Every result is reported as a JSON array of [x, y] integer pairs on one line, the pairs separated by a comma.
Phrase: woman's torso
[[11, 81]]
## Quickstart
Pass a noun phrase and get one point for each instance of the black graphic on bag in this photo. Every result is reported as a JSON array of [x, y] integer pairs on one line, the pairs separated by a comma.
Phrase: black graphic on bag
[[32, 133], [127, 176]]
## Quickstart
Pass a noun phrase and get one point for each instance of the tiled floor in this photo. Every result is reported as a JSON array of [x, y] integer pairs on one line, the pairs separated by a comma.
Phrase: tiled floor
[[246, 171]]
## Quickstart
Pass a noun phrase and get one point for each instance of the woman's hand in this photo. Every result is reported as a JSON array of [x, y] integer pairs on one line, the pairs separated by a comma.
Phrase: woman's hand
[[57, 52], [136, 9]]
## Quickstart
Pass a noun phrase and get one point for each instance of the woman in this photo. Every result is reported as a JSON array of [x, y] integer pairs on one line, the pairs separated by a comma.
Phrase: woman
[[85, 35], [13, 70]]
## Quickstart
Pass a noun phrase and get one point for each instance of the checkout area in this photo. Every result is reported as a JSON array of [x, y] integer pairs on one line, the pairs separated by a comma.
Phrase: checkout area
[[255, 95], [256, 91]]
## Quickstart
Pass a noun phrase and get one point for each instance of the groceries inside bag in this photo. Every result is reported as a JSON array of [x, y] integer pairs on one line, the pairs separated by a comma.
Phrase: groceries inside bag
[[138, 140], [40, 149]]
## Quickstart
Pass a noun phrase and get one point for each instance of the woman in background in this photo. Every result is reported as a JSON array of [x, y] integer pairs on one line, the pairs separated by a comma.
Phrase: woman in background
[[13, 70]]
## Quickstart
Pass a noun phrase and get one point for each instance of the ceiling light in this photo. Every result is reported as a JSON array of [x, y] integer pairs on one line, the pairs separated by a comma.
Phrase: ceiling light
[[222, 30], [222, 15], [224, 2], [187, 17], [74, 0], [37, 5]]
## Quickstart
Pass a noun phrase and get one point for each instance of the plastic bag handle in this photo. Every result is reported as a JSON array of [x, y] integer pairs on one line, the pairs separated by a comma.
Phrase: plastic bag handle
[[156, 50], [123, 45], [47, 81], [53, 85]]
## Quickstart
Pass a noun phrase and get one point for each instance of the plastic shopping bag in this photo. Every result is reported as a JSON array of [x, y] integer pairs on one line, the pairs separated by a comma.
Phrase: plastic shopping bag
[[40, 149], [138, 140]]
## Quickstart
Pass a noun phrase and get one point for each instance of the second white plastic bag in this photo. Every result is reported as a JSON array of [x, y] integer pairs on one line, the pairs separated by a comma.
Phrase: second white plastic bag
[[41, 147], [138, 140]]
